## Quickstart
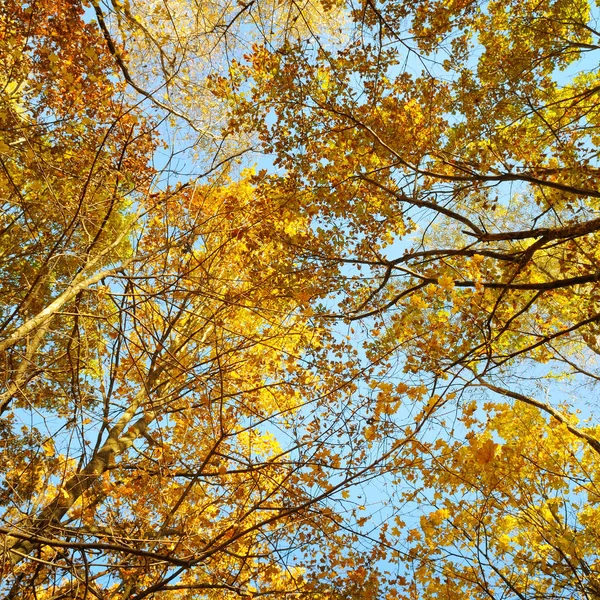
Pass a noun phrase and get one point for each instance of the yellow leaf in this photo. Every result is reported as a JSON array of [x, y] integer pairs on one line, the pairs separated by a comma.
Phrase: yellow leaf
[[446, 282], [486, 452], [48, 447], [418, 301]]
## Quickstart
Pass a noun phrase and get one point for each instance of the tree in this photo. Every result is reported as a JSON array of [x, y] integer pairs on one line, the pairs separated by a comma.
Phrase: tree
[[156, 353], [209, 369], [446, 157]]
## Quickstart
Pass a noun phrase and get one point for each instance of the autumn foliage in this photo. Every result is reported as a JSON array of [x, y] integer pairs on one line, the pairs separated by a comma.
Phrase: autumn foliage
[[299, 299]]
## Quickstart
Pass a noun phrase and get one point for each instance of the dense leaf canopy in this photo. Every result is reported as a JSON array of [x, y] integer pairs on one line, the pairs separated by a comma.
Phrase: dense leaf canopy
[[299, 299]]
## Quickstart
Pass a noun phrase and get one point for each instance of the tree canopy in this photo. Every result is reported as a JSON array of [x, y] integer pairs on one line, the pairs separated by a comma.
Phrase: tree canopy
[[299, 299]]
